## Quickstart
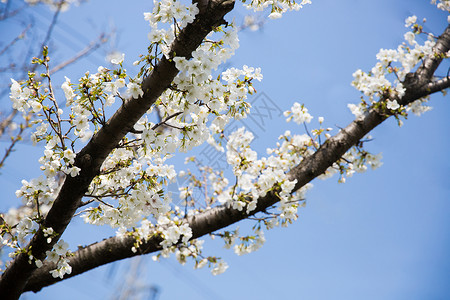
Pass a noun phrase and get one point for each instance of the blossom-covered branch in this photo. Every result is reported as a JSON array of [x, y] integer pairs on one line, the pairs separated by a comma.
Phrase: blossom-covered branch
[[91, 157], [123, 167], [312, 166]]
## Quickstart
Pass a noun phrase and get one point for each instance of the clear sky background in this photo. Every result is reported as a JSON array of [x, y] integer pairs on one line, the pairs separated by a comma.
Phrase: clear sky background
[[384, 234]]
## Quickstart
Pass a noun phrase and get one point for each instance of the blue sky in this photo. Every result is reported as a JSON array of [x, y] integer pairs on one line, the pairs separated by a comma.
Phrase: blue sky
[[382, 235]]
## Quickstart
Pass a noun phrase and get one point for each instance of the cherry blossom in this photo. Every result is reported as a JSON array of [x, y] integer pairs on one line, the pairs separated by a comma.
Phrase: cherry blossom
[[129, 193]]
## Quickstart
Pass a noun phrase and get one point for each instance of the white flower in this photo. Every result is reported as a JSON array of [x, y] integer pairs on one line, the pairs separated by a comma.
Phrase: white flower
[[61, 247], [110, 87], [410, 37], [52, 256], [219, 268], [48, 232], [63, 268], [148, 135], [69, 155], [119, 83], [155, 35], [35, 106], [410, 21], [56, 273], [26, 226], [400, 90], [186, 231], [418, 108], [116, 58], [275, 15], [68, 92], [38, 263], [134, 90], [357, 110], [201, 263], [299, 113], [251, 22], [19, 97], [392, 105], [231, 74], [387, 56], [374, 160], [73, 171], [287, 186], [16, 90], [181, 63]]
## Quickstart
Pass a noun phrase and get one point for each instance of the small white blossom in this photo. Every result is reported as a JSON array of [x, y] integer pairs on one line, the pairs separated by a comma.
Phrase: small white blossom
[[68, 92], [410, 37], [392, 104], [275, 15], [116, 58], [298, 113], [61, 247], [410, 21], [219, 268], [134, 90]]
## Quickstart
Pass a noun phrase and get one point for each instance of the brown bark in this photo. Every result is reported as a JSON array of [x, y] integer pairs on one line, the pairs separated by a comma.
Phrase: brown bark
[[419, 84]]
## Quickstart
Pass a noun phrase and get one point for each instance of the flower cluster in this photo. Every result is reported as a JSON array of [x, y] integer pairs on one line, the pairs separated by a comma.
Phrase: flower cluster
[[39, 189], [278, 7], [398, 62], [299, 113], [172, 232], [168, 11], [59, 255], [355, 160], [129, 193], [442, 4], [23, 99], [250, 243], [255, 177], [129, 189], [137, 171], [193, 250], [26, 227]]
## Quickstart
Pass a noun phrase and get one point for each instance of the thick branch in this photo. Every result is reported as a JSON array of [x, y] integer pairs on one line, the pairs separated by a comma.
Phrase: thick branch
[[430, 64], [429, 88], [91, 157], [424, 74], [114, 248]]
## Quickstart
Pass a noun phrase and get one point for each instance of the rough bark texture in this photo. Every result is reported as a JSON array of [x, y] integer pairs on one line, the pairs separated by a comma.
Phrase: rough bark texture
[[91, 157], [419, 84]]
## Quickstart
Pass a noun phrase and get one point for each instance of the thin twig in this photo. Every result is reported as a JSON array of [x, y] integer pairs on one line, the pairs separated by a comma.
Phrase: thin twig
[[167, 119]]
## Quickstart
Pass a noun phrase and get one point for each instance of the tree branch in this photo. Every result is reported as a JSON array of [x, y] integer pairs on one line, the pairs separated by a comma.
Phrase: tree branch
[[425, 72], [114, 248], [436, 86], [430, 64], [91, 157]]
